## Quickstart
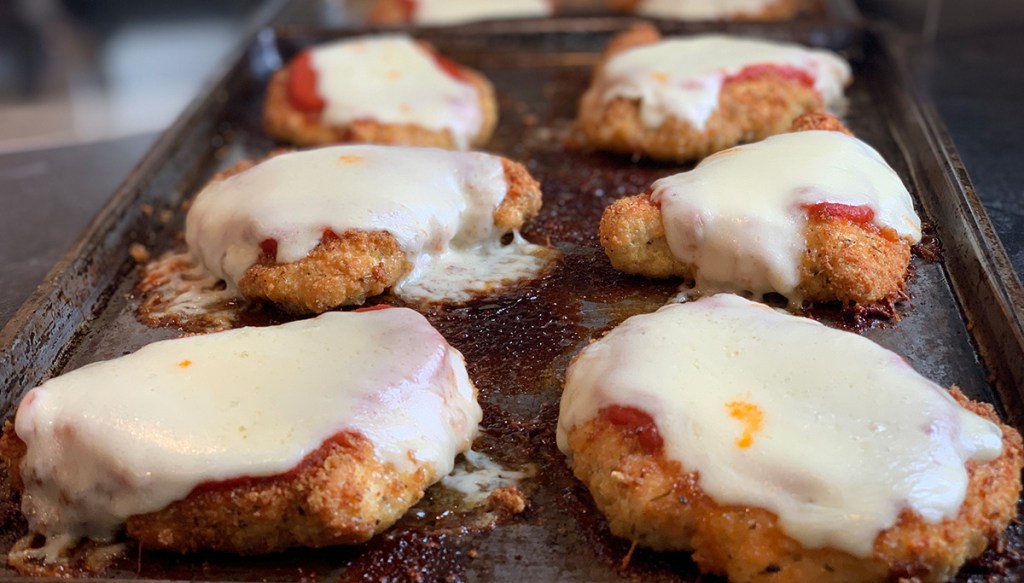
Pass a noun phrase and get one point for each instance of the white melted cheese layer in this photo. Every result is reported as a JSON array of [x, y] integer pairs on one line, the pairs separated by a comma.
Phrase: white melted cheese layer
[[682, 77], [850, 435], [460, 11], [435, 203], [702, 9], [739, 216], [391, 79], [132, 435]]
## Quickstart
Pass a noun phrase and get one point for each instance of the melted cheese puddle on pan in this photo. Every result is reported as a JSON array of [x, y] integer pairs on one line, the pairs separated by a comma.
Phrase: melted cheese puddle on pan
[[682, 77], [826, 429], [131, 435]]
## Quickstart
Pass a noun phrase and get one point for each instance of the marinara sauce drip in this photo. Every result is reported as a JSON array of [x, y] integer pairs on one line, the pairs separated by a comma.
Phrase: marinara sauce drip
[[268, 248], [302, 84], [638, 423], [862, 215], [785, 71]]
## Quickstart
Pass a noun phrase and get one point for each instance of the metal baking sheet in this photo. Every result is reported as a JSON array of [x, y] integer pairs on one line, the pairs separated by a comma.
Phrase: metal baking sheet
[[962, 325]]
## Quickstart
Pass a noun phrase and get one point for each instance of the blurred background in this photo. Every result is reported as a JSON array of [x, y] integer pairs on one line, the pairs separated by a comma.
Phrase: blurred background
[[89, 70]]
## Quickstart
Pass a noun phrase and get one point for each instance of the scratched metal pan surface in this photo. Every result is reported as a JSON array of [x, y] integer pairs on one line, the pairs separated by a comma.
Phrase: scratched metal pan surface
[[961, 326]]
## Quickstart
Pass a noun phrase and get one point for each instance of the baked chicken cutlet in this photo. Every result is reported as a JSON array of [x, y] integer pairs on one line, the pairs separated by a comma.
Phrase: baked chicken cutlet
[[684, 98], [814, 215], [313, 433], [387, 89], [778, 449], [310, 231]]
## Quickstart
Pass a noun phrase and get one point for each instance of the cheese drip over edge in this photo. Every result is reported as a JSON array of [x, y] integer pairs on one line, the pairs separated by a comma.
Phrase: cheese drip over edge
[[703, 9], [131, 435], [683, 77], [834, 434], [461, 11], [740, 215], [391, 79], [438, 205]]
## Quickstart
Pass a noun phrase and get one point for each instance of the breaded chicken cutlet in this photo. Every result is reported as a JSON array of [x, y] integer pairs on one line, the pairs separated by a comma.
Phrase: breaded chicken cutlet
[[449, 12], [681, 99], [310, 231], [407, 94], [777, 449], [853, 247], [248, 441], [711, 9]]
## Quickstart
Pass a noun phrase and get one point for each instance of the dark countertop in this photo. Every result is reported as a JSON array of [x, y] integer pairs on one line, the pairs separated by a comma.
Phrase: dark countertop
[[975, 80], [977, 84]]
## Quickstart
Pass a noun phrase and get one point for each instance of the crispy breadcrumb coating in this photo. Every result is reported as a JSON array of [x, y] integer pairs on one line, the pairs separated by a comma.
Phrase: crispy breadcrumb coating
[[656, 503]]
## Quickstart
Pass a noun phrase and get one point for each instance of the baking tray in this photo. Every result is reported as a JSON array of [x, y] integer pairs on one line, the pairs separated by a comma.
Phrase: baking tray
[[962, 324]]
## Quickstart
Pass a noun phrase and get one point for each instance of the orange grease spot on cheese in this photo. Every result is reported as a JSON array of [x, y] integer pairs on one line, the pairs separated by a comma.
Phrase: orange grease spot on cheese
[[660, 76], [185, 363], [349, 159], [752, 418]]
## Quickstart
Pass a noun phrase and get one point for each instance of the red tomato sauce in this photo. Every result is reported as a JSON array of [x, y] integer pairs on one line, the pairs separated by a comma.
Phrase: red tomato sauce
[[785, 71], [302, 84], [637, 422], [313, 458], [862, 214]]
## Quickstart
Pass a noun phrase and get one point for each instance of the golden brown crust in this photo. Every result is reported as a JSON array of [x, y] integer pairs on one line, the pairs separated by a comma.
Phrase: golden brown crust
[[819, 120], [342, 270], [847, 262], [347, 268], [749, 110], [344, 495], [347, 498], [843, 261], [778, 10], [657, 503], [283, 121]]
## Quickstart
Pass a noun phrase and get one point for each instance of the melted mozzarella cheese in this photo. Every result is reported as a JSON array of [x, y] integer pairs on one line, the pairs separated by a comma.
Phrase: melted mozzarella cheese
[[460, 11], [829, 431], [682, 77], [703, 9], [438, 204], [738, 216], [131, 435], [393, 80]]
